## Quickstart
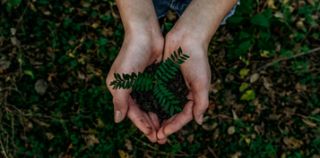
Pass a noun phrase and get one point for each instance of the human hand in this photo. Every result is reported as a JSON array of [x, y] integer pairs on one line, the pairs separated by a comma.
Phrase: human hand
[[196, 72], [193, 32], [137, 52]]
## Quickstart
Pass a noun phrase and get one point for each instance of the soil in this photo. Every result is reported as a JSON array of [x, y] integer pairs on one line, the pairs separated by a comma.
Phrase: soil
[[148, 103]]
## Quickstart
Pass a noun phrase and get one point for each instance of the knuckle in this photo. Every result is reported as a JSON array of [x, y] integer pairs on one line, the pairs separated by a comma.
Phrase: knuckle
[[202, 104], [205, 104], [117, 101]]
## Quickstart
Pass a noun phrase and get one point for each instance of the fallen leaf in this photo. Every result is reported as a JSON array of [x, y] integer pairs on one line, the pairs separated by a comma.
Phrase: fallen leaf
[[311, 2], [234, 115], [123, 154], [231, 130], [209, 127], [244, 72], [190, 138], [15, 41], [300, 88], [254, 77], [315, 111], [4, 64], [265, 53], [247, 140], [309, 123], [41, 86], [243, 86], [49, 135], [271, 4], [13, 31], [248, 95], [128, 144], [100, 123], [292, 143], [267, 84], [91, 140], [236, 155]]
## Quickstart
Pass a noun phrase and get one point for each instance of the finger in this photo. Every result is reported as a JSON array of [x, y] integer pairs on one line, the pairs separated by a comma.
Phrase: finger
[[162, 141], [121, 103], [153, 135], [142, 122], [177, 123], [160, 132], [201, 103], [190, 96], [154, 119]]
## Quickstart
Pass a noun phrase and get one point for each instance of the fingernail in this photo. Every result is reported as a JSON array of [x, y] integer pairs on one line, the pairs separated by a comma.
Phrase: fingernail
[[117, 116], [200, 120], [161, 135]]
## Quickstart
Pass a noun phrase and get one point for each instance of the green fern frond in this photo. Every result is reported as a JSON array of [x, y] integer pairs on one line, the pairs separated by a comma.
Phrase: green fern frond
[[156, 82], [169, 68], [144, 82], [139, 82], [165, 98]]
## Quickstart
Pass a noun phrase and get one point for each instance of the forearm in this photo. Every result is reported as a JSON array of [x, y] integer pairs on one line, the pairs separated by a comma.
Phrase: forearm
[[138, 16], [203, 17]]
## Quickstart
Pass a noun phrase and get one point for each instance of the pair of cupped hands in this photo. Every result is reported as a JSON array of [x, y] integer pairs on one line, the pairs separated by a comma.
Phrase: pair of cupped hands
[[146, 46]]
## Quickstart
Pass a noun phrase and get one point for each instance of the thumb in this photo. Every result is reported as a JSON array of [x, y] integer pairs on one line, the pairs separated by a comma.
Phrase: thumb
[[120, 102], [201, 103]]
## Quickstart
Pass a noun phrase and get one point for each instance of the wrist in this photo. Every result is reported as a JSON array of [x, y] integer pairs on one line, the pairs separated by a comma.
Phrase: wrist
[[187, 38], [148, 41], [147, 29]]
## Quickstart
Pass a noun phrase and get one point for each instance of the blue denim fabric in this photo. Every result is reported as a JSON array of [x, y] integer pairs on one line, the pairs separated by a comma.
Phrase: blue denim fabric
[[163, 6]]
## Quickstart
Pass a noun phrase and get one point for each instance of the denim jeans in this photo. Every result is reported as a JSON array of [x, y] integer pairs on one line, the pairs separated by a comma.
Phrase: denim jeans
[[163, 6]]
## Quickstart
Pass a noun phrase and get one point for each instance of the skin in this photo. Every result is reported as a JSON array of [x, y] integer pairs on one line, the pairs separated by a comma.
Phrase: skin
[[143, 44]]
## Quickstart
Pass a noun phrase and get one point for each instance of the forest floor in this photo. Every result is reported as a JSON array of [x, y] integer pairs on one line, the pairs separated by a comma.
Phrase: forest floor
[[54, 58]]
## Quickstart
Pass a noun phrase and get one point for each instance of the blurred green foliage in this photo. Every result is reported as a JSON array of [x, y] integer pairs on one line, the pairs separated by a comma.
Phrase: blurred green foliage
[[55, 55]]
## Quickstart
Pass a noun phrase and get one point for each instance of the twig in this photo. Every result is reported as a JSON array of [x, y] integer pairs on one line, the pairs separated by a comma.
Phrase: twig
[[288, 58], [3, 150], [144, 143], [308, 117], [212, 152]]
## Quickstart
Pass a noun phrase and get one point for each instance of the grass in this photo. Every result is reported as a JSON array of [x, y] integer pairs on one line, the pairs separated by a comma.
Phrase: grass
[[54, 57]]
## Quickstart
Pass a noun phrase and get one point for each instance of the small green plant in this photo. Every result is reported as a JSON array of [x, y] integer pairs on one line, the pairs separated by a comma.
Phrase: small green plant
[[156, 82]]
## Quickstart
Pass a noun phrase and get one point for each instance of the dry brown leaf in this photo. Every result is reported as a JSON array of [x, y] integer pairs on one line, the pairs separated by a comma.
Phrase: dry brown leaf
[[190, 138], [171, 15], [231, 130], [15, 41], [91, 140], [292, 143], [309, 123], [254, 77], [315, 111], [236, 155], [4, 64], [49, 135], [316, 156], [300, 88], [123, 154], [311, 2], [128, 144], [41, 86], [267, 84], [209, 127], [271, 4]]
